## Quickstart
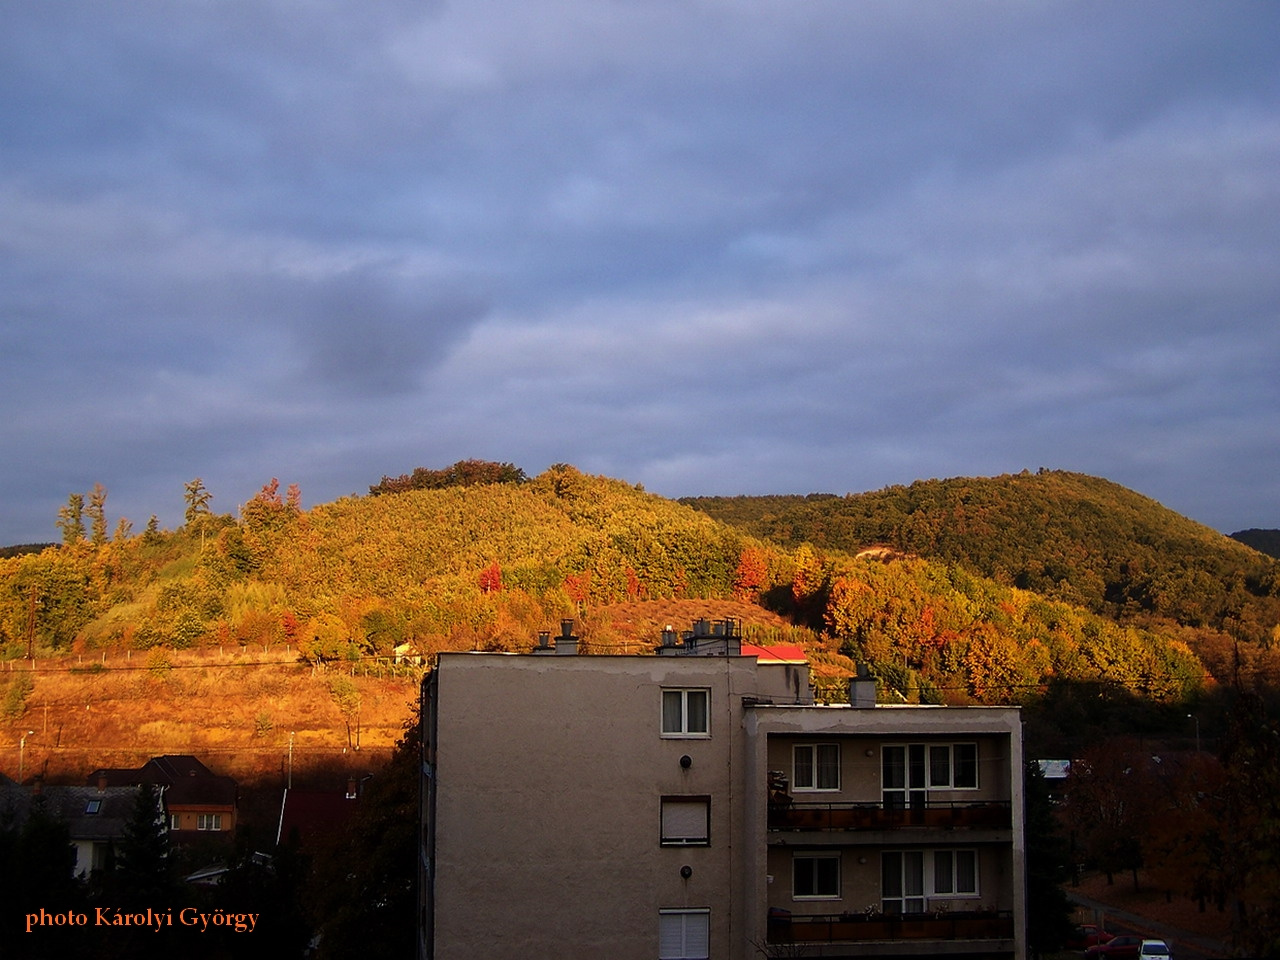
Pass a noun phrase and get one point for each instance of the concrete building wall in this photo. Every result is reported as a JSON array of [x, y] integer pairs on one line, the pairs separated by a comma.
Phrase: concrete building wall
[[549, 827], [546, 776], [772, 733]]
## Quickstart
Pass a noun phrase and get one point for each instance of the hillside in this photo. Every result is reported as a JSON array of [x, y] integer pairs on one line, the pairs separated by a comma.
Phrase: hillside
[[150, 642], [1264, 541], [1071, 537]]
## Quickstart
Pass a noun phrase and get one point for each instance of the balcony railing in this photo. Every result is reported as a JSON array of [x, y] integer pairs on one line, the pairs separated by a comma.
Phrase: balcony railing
[[941, 814], [974, 925]]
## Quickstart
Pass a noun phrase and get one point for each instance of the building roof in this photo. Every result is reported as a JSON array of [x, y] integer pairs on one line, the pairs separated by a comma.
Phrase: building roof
[[778, 653], [89, 813], [315, 813], [186, 780]]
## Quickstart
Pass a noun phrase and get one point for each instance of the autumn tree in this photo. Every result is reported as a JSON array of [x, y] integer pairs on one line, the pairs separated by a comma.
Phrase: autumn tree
[[1185, 841], [1251, 819], [325, 638], [751, 574], [347, 697], [1106, 805], [464, 473], [810, 584], [197, 500], [71, 520], [491, 578], [97, 511]]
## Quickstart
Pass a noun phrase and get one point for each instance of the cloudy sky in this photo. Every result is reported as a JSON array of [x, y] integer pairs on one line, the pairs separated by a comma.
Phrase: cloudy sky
[[710, 246]]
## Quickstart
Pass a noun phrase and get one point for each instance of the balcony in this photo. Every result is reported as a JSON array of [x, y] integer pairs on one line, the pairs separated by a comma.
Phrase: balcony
[[936, 814], [973, 925]]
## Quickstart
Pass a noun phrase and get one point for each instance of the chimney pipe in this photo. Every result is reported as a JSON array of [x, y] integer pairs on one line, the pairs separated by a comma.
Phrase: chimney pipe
[[862, 689], [566, 643]]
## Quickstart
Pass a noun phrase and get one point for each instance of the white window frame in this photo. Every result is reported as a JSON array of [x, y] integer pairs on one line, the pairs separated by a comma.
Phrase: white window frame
[[209, 821], [936, 755], [682, 729], [805, 864], [814, 782], [175, 821], [949, 879], [680, 826], [906, 900], [940, 877], [949, 754], [684, 933]]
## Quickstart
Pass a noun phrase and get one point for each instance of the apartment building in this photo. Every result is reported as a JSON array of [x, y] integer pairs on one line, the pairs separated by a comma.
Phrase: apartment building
[[699, 804]]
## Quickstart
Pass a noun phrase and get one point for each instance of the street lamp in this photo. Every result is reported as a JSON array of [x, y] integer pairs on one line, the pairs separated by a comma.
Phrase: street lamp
[[1192, 716]]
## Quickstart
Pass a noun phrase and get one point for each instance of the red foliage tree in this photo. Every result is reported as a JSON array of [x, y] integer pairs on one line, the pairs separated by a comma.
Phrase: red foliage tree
[[578, 586], [491, 578], [753, 569]]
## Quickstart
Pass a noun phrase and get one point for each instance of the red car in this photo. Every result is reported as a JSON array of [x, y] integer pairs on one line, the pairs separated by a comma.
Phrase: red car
[[1087, 935], [1117, 948]]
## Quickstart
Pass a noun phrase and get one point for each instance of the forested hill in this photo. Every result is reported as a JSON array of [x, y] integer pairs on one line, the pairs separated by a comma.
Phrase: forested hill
[[1264, 541], [1065, 535], [490, 562]]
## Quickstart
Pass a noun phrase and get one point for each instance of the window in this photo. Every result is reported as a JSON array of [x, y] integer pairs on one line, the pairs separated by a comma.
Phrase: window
[[685, 713], [816, 766], [955, 872], [953, 766], [684, 934], [909, 770], [965, 766], [175, 821], [816, 876], [209, 821], [686, 821], [902, 881], [906, 875]]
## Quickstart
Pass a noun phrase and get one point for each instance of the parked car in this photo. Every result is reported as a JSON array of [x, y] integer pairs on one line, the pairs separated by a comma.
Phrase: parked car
[[1117, 948], [1086, 935], [1155, 950]]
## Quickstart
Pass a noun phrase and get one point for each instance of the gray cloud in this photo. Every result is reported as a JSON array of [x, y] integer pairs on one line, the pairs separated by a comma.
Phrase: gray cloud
[[705, 246]]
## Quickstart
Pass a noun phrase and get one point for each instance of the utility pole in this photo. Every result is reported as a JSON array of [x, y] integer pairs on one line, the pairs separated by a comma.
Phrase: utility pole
[[22, 752], [1192, 716], [290, 784], [31, 623]]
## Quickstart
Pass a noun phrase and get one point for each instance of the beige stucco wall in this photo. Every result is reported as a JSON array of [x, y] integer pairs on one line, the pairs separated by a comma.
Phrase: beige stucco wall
[[550, 773], [772, 731], [548, 829]]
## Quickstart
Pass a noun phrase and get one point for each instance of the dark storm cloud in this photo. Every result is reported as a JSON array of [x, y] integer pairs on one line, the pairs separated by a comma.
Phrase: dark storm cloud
[[709, 246]]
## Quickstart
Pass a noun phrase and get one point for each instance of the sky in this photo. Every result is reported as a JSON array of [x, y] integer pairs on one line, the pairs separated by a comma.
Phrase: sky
[[707, 246]]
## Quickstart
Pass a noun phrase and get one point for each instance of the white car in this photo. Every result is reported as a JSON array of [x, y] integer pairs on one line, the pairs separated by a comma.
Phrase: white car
[[1154, 950]]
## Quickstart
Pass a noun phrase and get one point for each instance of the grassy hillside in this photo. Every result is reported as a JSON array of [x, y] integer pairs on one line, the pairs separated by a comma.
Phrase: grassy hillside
[[1071, 537]]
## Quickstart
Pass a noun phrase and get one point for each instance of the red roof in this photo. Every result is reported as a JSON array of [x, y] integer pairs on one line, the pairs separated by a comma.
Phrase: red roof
[[314, 813], [779, 653]]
